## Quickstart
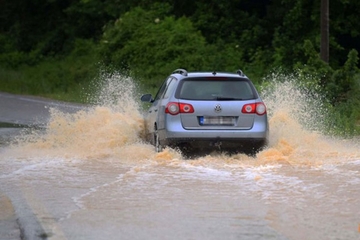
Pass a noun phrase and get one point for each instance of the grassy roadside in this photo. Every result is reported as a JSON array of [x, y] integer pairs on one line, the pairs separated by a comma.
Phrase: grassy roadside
[[71, 80], [55, 81]]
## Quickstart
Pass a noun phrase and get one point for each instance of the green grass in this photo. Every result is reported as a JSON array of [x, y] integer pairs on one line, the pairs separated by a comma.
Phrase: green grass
[[70, 79]]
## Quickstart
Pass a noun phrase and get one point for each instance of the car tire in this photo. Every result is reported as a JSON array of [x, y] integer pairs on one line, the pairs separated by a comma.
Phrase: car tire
[[158, 146]]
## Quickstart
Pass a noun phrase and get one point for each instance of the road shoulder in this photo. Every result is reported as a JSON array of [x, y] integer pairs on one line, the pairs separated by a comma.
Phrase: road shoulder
[[9, 227]]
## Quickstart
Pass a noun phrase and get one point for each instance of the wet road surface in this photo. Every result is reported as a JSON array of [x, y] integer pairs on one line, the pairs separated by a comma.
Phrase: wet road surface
[[88, 175]]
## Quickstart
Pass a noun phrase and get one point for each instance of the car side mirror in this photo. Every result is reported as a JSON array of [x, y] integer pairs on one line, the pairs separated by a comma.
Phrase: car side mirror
[[147, 98]]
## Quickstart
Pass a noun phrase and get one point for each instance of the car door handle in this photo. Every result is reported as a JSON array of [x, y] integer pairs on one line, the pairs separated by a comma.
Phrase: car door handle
[[155, 110]]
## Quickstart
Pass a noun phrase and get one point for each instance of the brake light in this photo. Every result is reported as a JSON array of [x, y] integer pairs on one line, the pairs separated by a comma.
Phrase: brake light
[[174, 108], [258, 108]]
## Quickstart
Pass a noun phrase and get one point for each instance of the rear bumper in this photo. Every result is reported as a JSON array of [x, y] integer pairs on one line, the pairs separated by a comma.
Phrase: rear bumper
[[174, 134], [220, 143], [213, 139]]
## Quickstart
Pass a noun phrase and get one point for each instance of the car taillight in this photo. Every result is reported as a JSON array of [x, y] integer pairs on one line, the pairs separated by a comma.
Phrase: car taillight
[[174, 108], [258, 108]]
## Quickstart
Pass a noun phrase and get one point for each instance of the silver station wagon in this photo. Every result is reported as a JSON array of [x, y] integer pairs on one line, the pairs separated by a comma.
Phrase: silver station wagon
[[207, 111]]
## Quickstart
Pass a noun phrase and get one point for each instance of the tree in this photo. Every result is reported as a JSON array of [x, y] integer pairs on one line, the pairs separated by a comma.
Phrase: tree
[[152, 45]]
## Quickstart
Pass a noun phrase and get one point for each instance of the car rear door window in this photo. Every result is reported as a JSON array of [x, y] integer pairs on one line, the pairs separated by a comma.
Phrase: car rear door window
[[163, 88], [171, 84]]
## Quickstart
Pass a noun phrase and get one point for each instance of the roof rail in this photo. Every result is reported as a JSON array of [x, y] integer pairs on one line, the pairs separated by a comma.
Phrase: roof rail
[[240, 73], [181, 71]]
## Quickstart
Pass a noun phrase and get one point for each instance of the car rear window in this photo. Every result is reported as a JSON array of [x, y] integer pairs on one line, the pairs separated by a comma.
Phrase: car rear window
[[215, 89]]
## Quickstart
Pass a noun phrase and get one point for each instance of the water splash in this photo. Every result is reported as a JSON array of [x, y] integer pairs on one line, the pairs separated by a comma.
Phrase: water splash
[[297, 120], [114, 127]]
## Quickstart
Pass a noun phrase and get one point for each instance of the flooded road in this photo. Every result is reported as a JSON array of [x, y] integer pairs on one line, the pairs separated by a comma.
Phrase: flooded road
[[89, 175]]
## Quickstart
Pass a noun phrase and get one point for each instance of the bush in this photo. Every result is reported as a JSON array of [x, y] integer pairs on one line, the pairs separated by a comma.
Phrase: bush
[[59, 78], [152, 46]]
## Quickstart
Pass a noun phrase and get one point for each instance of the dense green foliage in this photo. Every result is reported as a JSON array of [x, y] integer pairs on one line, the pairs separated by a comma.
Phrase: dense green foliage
[[56, 47]]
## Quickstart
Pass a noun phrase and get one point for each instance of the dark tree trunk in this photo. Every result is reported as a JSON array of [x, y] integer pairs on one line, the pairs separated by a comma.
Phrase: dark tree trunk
[[324, 45]]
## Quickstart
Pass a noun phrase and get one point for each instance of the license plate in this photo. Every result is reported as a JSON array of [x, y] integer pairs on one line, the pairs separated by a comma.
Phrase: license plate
[[220, 120]]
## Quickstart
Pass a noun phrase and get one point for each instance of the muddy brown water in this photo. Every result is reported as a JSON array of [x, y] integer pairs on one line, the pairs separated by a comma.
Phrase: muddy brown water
[[90, 175]]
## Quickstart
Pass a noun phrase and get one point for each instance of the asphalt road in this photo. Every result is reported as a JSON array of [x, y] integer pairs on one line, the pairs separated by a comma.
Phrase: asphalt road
[[89, 176], [30, 110], [17, 112]]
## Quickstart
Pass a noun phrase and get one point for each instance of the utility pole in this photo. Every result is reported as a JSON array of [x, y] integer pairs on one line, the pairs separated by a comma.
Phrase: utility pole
[[324, 45]]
